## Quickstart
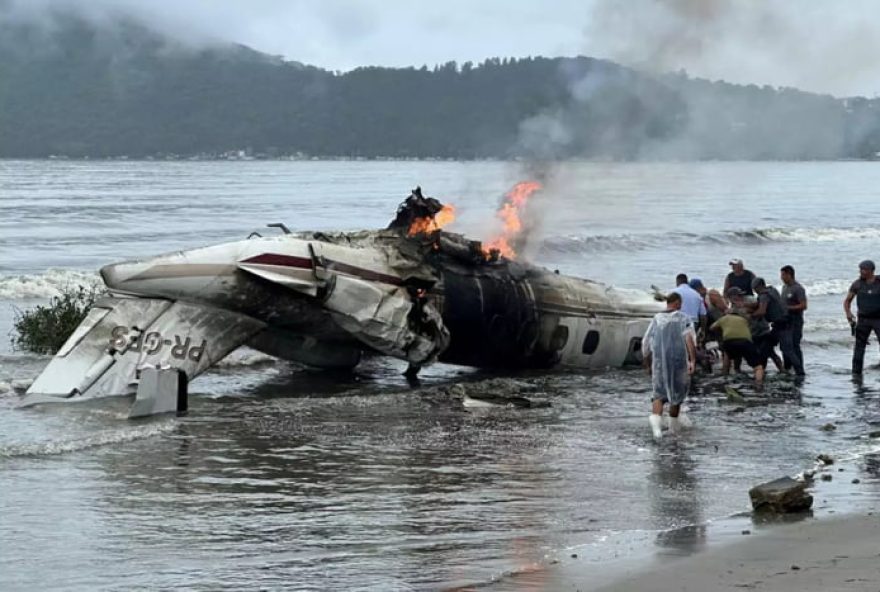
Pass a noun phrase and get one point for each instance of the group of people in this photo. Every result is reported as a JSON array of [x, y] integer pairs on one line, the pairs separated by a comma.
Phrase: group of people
[[748, 320]]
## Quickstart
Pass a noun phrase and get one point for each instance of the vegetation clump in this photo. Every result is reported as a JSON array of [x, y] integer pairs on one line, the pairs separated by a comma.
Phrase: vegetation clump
[[44, 328]]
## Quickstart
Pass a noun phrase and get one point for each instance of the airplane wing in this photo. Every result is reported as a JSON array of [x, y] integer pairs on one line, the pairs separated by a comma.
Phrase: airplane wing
[[122, 335]]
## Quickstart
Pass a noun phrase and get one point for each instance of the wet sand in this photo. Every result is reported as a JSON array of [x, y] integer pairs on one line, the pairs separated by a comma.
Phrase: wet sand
[[818, 555]]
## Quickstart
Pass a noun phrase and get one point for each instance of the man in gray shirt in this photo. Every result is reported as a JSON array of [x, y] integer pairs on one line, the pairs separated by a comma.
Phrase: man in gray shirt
[[794, 298], [866, 292]]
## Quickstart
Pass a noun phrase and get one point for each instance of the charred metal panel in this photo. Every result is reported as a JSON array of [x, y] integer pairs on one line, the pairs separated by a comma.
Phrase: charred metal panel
[[492, 320]]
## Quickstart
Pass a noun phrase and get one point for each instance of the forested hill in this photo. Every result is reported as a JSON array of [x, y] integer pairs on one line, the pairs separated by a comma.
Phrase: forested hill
[[76, 89]]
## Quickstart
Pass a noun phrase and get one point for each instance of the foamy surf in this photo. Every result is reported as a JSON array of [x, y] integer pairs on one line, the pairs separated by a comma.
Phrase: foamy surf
[[97, 439], [642, 241], [45, 285], [829, 287]]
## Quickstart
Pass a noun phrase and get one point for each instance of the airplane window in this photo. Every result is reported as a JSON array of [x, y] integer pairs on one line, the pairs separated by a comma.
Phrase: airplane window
[[591, 342], [559, 338]]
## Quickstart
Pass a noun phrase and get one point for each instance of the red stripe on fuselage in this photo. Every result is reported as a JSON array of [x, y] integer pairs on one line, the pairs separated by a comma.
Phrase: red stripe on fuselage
[[283, 260], [305, 263]]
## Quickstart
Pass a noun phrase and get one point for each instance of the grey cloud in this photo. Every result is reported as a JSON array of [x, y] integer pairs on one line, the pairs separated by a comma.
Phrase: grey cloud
[[344, 34], [818, 46]]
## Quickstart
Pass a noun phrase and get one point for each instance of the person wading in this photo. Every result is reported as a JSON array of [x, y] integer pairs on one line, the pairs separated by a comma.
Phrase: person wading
[[794, 297], [736, 343], [866, 292], [670, 353], [692, 303], [771, 308], [739, 277]]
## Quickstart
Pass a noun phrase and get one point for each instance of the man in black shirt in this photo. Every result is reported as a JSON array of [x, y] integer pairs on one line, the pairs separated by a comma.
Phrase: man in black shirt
[[740, 278], [771, 308], [866, 292], [794, 298]]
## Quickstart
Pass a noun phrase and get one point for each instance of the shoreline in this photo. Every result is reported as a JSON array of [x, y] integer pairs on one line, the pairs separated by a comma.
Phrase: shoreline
[[831, 547], [819, 554]]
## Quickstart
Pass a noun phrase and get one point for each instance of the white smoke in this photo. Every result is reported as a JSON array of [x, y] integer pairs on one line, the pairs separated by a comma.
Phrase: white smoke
[[825, 47]]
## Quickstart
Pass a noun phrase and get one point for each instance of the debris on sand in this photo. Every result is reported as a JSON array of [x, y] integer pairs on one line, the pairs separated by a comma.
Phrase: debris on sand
[[21, 385], [742, 395], [825, 459], [501, 401], [497, 392], [782, 496], [733, 395]]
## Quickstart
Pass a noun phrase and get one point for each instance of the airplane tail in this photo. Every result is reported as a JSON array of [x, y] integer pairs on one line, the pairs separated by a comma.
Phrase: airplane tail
[[121, 335]]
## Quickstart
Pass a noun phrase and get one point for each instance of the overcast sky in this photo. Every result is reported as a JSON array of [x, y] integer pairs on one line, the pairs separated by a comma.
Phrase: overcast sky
[[825, 46]]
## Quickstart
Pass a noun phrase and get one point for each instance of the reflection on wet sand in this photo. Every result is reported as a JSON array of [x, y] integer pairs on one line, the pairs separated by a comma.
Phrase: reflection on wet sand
[[675, 500]]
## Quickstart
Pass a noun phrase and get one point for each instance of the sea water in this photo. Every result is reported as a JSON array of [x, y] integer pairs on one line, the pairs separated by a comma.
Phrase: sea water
[[285, 477]]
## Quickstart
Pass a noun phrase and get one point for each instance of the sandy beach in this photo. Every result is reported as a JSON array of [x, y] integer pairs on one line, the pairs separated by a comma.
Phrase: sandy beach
[[815, 555]]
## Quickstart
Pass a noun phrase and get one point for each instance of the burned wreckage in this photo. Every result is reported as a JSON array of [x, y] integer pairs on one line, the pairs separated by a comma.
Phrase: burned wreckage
[[411, 291]]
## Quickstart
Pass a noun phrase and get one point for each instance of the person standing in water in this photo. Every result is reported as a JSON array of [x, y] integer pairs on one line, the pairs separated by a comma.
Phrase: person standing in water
[[866, 292], [737, 345], [739, 277], [670, 353], [692, 304], [771, 308], [794, 297]]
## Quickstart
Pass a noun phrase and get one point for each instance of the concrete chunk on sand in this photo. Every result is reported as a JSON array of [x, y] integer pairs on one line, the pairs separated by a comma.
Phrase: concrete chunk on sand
[[811, 556], [782, 496]]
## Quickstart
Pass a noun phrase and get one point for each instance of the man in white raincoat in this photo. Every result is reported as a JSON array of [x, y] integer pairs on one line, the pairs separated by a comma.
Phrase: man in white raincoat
[[669, 349]]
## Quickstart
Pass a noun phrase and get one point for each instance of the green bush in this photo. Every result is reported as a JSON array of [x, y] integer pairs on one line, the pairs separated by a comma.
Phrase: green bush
[[44, 328]]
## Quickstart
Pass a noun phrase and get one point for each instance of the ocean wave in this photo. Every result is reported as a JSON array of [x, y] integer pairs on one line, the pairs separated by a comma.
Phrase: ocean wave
[[828, 287], [815, 325], [830, 342], [45, 285], [635, 242], [103, 438]]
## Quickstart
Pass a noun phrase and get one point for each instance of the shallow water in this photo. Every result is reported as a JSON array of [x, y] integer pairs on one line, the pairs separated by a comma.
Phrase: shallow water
[[285, 477]]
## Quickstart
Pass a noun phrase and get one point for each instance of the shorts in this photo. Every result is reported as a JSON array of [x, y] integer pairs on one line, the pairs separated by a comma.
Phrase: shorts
[[743, 349], [765, 344]]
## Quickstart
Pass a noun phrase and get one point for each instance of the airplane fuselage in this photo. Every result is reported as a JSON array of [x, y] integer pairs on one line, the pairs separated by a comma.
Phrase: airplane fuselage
[[322, 299]]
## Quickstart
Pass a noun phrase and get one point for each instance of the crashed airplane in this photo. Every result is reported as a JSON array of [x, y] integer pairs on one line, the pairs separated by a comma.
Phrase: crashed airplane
[[411, 291]]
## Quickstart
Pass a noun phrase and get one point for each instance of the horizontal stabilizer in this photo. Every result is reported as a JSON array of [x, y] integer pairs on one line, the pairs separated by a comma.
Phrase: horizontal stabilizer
[[121, 336]]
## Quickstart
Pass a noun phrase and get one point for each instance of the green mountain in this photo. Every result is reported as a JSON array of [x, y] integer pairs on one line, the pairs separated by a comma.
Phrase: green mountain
[[78, 89]]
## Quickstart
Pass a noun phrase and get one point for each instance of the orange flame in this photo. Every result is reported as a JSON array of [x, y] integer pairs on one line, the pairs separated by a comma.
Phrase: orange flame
[[509, 214], [431, 224]]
